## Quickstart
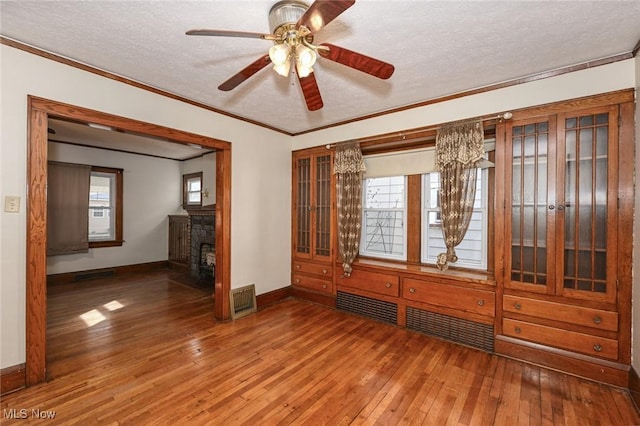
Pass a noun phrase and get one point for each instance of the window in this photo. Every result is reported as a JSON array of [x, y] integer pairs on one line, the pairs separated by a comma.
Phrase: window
[[384, 218], [192, 190], [472, 251], [105, 207]]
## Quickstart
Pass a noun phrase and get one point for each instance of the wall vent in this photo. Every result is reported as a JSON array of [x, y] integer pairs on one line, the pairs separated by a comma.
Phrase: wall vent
[[365, 306], [451, 328], [243, 301], [94, 275]]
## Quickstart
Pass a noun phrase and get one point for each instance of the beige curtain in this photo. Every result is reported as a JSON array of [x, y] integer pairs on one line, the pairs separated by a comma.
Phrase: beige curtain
[[349, 170], [459, 148], [67, 208]]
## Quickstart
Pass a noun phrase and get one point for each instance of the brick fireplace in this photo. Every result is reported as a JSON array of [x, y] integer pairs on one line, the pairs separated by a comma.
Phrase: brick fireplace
[[203, 231]]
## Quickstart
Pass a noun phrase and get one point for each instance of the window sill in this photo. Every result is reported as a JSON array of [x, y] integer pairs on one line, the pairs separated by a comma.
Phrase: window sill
[[100, 244], [475, 277]]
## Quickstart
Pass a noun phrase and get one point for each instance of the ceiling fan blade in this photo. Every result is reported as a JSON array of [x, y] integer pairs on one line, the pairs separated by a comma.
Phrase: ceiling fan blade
[[321, 12], [372, 66], [225, 33], [311, 92], [247, 72]]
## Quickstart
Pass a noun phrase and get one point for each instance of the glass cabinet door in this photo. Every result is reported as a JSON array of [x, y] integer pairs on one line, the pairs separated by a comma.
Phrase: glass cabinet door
[[561, 204], [530, 172], [589, 205], [313, 183], [322, 243], [302, 231]]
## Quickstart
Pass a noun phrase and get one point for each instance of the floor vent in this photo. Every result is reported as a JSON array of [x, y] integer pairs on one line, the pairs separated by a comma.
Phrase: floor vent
[[455, 329], [365, 306], [243, 301], [94, 275]]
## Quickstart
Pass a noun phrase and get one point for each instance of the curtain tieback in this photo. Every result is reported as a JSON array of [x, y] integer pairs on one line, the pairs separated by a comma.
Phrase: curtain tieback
[[445, 258]]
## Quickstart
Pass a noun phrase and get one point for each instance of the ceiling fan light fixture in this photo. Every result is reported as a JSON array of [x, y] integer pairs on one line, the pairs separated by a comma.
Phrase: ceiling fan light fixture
[[303, 71], [279, 53], [305, 56], [283, 68]]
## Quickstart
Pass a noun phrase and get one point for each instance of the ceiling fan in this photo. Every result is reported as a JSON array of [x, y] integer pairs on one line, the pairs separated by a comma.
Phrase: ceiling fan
[[293, 25]]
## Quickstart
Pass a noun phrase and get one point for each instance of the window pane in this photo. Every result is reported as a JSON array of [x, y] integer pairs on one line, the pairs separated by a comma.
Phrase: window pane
[[383, 218], [194, 184], [194, 198], [472, 250], [387, 192], [101, 201]]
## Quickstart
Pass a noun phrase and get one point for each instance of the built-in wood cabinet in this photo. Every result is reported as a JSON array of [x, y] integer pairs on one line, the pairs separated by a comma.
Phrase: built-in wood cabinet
[[564, 281], [313, 220]]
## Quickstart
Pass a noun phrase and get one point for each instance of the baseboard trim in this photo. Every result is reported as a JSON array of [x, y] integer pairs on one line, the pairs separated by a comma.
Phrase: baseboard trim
[[602, 371], [266, 299], [70, 277], [634, 388], [12, 378], [311, 296]]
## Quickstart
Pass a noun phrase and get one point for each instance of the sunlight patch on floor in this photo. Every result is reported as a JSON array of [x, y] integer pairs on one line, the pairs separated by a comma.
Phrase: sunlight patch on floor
[[92, 317], [114, 305]]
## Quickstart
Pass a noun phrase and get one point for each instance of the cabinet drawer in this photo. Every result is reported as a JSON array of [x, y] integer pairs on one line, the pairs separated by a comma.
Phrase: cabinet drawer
[[450, 296], [375, 282], [312, 268], [589, 317], [313, 283], [570, 340]]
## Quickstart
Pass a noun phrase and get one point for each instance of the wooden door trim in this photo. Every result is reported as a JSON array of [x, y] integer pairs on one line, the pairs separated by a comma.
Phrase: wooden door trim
[[39, 111]]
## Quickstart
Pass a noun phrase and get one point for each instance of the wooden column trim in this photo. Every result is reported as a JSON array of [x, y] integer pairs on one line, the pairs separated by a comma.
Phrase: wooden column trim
[[626, 165], [414, 217], [36, 291], [223, 234]]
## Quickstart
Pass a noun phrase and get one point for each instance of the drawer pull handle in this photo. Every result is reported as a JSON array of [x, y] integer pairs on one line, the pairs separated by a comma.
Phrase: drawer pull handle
[[412, 290], [597, 320], [518, 330], [297, 280], [297, 266], [597, 348], [324, 271], [480, 302], [324, 286], [517, 306], [387, 285]]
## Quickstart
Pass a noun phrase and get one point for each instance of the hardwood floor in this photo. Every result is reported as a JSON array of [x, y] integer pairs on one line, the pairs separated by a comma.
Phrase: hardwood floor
[[145, 349]]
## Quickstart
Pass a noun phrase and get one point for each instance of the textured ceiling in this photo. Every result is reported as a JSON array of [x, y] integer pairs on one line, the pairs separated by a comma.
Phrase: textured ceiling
[[438, 48], [97, 137]]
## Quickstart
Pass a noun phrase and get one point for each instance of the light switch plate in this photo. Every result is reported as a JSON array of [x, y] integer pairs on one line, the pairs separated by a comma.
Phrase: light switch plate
[[11, 204]]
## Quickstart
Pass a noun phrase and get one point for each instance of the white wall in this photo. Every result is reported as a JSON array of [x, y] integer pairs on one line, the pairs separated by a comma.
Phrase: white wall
[[152, 190], [635, 352], [260, 163]]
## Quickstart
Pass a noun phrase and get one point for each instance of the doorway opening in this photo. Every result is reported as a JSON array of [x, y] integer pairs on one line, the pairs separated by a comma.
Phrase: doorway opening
[[40, 111]]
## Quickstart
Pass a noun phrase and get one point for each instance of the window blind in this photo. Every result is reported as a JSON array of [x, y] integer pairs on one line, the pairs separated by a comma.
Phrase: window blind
[[410, 162]]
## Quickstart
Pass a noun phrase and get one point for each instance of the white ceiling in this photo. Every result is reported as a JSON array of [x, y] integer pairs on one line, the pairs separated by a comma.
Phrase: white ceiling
[[438, 48], [116, 140]]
